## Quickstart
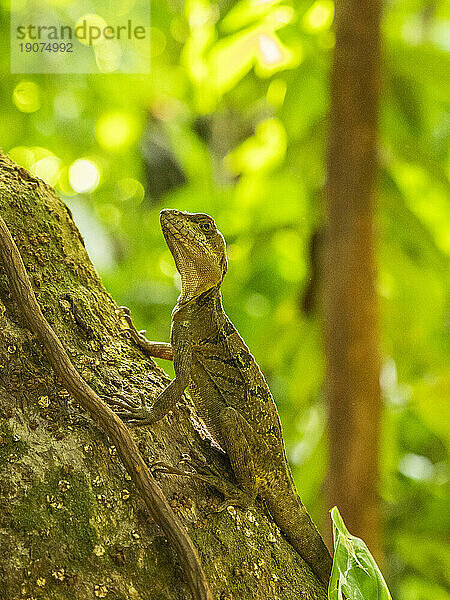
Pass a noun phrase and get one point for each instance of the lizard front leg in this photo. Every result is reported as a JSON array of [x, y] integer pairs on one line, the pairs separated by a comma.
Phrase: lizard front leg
[[154, 349], [172, 394]]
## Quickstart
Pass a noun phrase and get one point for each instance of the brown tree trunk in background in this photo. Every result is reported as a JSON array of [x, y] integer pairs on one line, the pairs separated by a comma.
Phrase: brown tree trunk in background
[[350, 299]]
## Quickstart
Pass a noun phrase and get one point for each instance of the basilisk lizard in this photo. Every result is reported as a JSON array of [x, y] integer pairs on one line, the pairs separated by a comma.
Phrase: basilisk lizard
[[226, 385]]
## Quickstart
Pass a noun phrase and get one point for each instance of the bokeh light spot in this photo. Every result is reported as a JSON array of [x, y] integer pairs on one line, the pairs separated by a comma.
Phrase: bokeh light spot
[[22, 155], [89, 29], [416, 467], [47, 169], [116, 130], [66, 105], [320, 16], [84, 176], [108, 56], [109, 214], [269, 49], [26, 97], [179, 29], [131, 190]]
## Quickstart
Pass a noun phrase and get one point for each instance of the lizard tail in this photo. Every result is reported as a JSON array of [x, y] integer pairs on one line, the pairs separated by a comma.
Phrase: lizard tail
[[292, 518]]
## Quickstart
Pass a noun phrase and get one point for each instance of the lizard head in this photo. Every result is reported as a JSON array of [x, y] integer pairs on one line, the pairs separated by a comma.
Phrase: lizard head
[[198, 249]]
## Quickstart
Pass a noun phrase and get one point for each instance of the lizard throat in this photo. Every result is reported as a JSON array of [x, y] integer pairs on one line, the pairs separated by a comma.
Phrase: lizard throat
[[201, 297]]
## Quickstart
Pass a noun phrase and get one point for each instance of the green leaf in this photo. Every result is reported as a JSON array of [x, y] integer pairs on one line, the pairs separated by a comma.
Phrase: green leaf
[[355, 574]]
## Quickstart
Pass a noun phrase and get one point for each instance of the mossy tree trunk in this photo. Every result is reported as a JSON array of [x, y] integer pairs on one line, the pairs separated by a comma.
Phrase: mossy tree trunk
[[71, 522]]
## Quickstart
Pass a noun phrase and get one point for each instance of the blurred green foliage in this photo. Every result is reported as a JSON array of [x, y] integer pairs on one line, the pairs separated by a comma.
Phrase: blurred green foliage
[[232, 121]]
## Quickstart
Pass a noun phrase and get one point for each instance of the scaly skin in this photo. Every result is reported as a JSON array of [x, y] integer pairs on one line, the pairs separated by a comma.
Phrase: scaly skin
[[227, 386]]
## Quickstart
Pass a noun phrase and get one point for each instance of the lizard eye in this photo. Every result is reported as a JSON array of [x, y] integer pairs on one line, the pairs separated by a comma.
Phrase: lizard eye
[[206, 226]]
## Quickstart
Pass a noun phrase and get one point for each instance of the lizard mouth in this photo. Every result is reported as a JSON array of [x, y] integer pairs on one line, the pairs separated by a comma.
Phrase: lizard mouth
[[180, 240], [173, 230], [170, 221]]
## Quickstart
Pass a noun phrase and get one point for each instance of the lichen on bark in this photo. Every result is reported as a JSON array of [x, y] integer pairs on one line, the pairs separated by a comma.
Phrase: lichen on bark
[[71, 522]]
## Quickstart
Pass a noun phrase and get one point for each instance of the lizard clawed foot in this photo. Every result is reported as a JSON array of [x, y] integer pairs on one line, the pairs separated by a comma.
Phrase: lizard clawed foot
[[133, 412], [121, 401], [161, 467], [234, 495], [154, 349], [124, 314], [138, 417]]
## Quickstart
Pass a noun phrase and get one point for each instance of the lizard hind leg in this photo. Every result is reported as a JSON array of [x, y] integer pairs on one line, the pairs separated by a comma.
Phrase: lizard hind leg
[[238, 436], [202, 471]]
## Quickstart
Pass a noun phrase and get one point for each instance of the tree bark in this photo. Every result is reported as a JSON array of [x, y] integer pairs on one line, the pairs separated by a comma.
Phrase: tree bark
[[72, 523], [350, 301]]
